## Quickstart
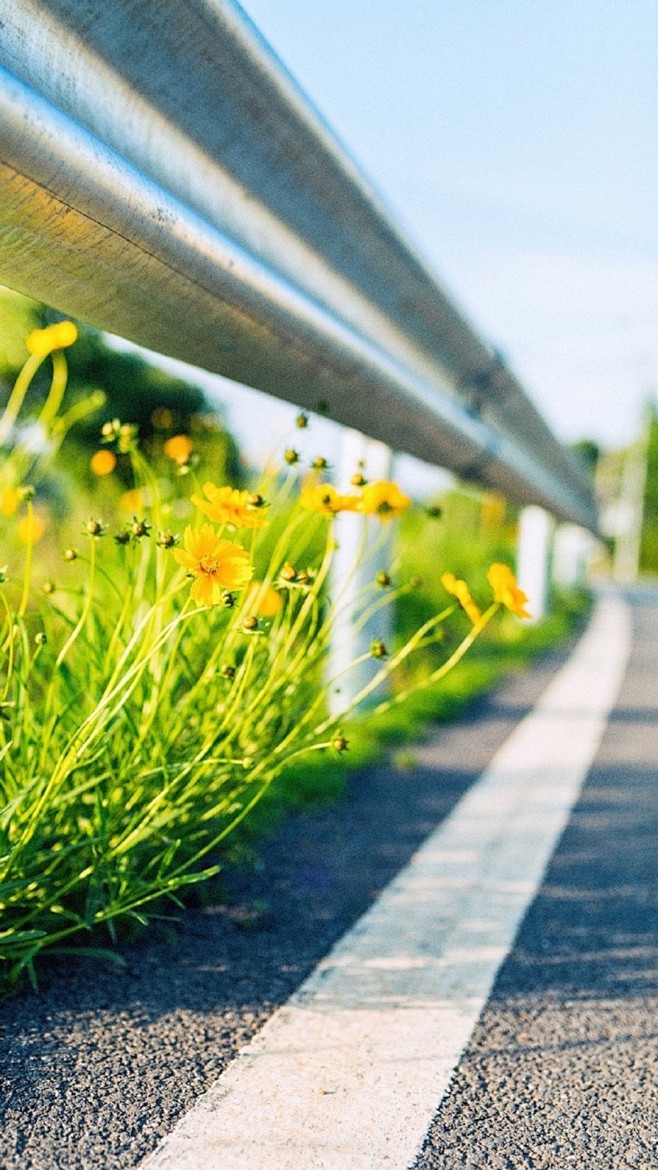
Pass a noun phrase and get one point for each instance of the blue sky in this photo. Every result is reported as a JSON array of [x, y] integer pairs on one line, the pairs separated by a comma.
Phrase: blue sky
[[516, 142]]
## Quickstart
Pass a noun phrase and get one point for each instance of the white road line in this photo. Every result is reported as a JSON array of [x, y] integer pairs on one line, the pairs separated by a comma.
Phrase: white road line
[[350, 1072]]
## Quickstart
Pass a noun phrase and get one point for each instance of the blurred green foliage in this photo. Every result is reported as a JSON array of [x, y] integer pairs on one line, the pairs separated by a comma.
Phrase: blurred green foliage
[[158, 402], [649, 543], [471, 532], [588, 453]]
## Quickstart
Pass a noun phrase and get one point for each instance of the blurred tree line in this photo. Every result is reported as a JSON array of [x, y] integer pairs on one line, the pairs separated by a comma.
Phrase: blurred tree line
[[649, 541], [612, 470]]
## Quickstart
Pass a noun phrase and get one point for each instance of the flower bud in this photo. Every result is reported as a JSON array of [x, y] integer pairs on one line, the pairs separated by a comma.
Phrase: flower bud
[[139, 528], [250, 623], [227, 671], [110, 429], [127, 437], [291, 456], [40, 639], [383, 579], [70, 554], [339, 743], [378, 650], [48, 586], [302, 420]]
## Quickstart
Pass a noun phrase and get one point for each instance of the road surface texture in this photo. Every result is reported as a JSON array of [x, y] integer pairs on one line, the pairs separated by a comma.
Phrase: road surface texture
[[561, 1069]]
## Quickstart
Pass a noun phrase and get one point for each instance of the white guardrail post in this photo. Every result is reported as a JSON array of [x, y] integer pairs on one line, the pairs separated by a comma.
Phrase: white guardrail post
[[573, 549], [353, 575], [536, 527]]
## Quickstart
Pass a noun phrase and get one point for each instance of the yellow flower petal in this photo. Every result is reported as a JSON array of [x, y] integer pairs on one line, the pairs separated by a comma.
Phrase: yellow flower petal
[[9, 501], [323, 497], [383, 499], [506, 591], [184, 558], [206, 591], [217, 564], [459, 589], [263, 602], [227, 505]]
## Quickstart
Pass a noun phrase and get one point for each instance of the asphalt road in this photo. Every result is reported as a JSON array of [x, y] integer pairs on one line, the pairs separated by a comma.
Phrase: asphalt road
[[562, 1068]]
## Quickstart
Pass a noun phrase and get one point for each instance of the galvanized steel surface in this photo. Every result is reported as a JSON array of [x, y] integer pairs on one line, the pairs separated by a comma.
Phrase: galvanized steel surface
[[162, 177]]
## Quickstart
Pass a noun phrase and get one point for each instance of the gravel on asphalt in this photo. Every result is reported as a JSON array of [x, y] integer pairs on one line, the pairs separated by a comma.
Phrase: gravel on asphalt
[[562, 1068], [99, 1065]]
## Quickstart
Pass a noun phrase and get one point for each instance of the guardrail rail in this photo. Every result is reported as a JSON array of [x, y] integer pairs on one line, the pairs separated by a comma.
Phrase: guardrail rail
[[163, 178]]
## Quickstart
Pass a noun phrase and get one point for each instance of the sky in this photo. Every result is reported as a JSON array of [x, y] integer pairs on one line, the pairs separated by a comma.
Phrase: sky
[[515, 142]]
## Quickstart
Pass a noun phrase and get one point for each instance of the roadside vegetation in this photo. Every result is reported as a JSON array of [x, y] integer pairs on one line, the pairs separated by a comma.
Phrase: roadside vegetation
[[507, 646], [164, 645]]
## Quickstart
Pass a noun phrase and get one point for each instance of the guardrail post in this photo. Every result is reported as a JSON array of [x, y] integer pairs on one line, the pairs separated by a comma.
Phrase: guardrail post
[[351, 576], [573, 548], [534, 557]]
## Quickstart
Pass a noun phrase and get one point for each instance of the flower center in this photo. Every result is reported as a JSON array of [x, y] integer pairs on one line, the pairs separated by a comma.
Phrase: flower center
[[384, 507], [209, 564]]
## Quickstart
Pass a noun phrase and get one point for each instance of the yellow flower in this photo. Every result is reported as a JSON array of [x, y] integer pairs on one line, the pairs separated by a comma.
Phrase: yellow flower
[[506, 591], [227, 505], [9, 501], [178, 448], [263, 603], [459, 589], [323, 497], [383, 499], [103, 462], [132, 501], [41, 342], [31, 528], [217, 564]]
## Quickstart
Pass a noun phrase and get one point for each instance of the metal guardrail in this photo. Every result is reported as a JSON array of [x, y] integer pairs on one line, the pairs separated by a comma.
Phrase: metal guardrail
[[162, 177]]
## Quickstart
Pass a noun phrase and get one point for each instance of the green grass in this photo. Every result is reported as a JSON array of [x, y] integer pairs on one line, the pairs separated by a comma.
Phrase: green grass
[[158, 714]]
